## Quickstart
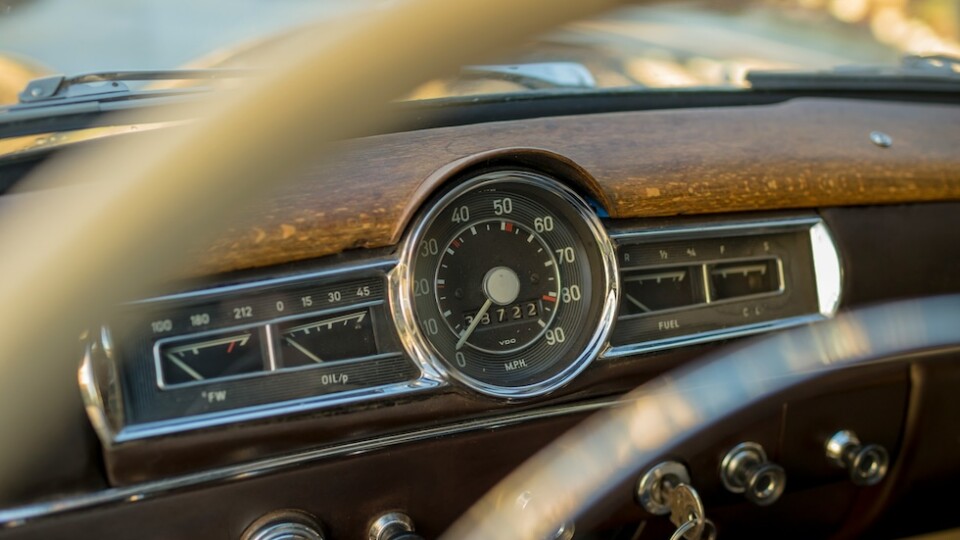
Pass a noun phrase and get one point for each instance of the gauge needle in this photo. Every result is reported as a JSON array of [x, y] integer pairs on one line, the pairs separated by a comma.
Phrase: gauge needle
[[473, 326], [304, 350], [186, 369], [637, 303]]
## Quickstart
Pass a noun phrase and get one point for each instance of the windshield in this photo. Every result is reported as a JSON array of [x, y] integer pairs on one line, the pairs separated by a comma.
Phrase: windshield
[[664, 45]]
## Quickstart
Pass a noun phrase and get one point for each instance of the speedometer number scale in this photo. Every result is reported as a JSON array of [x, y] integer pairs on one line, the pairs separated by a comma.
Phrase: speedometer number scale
[[507, 285]]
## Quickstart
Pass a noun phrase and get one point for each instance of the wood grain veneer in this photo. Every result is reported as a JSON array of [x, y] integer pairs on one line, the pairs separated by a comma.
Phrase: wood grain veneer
[[799, 154]]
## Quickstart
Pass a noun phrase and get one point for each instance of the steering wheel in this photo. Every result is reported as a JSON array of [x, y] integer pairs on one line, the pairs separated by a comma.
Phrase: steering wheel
[[577, 470], [80, 248]]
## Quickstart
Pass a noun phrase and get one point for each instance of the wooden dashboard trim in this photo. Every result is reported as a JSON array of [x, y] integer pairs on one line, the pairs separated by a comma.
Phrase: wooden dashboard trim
[[804, 153]]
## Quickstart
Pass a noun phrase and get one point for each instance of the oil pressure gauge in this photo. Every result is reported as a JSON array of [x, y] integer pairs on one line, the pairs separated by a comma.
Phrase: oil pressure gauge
[[508, 284], [328, 339]]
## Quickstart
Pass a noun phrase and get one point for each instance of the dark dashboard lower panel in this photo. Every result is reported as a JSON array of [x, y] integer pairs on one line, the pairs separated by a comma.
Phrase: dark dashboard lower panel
[[436, 481]]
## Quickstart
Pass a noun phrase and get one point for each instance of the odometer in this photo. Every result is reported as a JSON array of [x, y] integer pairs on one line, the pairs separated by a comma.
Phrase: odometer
[[508, 284]]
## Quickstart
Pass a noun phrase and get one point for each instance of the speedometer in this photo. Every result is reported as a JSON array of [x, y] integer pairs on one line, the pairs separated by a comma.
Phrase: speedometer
[[508, 283]]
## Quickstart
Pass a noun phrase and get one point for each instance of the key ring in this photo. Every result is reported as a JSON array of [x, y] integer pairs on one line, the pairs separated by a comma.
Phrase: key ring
[[683, 529]]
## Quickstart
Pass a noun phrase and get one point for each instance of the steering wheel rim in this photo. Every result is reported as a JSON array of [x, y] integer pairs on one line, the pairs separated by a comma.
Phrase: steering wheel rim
[[612, 447]]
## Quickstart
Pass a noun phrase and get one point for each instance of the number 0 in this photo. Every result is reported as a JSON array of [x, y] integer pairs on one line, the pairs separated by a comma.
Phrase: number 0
[[543, 224], [461, 214], [566, 254]]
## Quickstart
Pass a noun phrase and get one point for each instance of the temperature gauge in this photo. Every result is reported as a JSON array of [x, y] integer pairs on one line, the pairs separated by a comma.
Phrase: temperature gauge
[[745, 278], [331, 338], [211, 357]]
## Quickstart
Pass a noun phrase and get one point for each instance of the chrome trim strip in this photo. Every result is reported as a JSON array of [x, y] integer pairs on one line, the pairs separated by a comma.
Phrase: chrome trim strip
[[706, 337], [19, 516], [93, 401], [712, 230], [269, 332], [293, 406], [827, 268], [401, 288]]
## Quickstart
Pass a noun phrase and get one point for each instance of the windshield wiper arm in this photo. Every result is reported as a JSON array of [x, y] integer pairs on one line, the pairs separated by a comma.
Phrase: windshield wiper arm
[[915, 73], [112, 84]]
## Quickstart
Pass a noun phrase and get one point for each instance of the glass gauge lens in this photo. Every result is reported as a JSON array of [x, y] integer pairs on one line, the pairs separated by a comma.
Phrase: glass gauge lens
[[520, 295], [652, 290], [211, 357], [327, 339], [510, 277], [744, 278]]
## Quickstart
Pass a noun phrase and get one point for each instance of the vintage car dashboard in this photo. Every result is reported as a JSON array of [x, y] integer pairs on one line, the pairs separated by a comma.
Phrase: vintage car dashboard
[[400, 328], [507, 287]]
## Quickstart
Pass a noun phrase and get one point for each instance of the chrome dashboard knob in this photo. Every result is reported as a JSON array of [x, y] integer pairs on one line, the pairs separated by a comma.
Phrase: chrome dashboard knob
[[392, 526], [284, 525], [867, 464], [745, 469]]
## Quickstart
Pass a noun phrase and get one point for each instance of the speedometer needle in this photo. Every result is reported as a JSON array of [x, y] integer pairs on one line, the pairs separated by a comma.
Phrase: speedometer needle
[[473, 326]]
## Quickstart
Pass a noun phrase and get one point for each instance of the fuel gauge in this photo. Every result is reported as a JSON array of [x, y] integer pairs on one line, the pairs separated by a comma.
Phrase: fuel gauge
[[649, 290], [327, 339], [210, 357]]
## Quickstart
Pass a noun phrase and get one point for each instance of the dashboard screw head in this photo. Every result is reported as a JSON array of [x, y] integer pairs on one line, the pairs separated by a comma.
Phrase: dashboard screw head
[[881, 139]]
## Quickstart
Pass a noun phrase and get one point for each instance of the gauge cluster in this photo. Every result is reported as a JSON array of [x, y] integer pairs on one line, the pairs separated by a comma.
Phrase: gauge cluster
[[506, 287], [186, 360], [689, 285]]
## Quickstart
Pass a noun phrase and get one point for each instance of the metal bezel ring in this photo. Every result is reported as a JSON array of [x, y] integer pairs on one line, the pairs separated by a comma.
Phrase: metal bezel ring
[[649, 485], [401, 287], [733, 460]]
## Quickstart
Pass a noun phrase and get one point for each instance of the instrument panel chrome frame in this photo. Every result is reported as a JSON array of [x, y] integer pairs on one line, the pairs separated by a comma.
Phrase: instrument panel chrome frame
[[109, 424], [828, 275], [400, 286], [110, 427]]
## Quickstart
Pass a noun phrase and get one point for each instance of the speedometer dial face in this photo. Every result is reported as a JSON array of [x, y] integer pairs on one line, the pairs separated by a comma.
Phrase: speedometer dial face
[[520, 293], [509, 284]]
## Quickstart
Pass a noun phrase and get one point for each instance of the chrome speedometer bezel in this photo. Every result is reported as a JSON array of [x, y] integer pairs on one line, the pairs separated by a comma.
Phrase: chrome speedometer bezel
[[401, 298]]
